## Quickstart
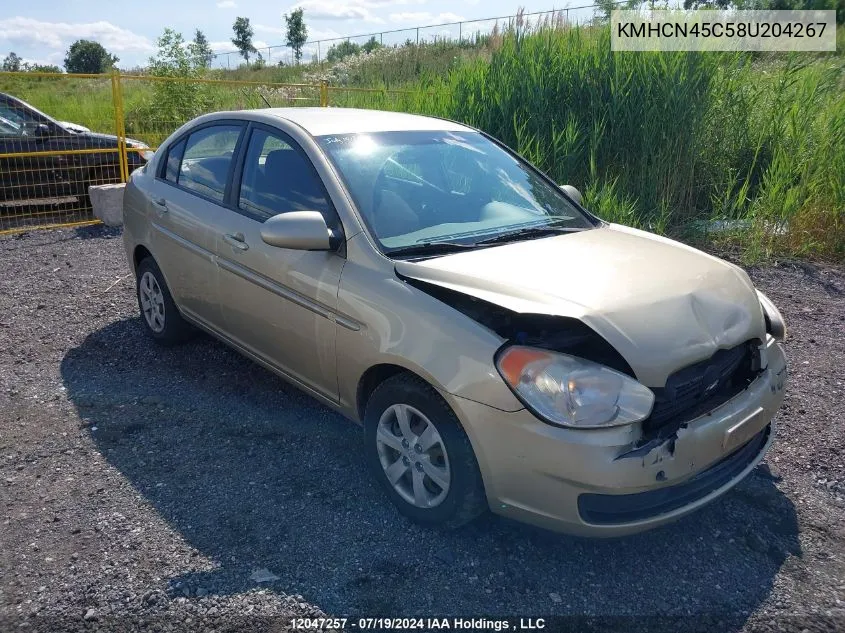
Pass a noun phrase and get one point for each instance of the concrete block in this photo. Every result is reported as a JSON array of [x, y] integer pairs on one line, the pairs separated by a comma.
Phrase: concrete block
[[107, 201]]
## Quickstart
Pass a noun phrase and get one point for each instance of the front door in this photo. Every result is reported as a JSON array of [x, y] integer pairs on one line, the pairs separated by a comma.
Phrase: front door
[[279, 303]]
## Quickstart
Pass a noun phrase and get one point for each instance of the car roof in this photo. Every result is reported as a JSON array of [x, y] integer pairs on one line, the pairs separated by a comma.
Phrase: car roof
[[326, 121]]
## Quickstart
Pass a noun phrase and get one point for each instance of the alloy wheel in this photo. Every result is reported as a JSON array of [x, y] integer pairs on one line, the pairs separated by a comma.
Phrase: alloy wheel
[[413, 456], [152, 302]]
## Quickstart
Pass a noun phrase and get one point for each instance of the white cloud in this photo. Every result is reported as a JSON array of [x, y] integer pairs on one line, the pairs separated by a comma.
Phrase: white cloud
[[323, 34], [222, 46], [273, 31], [359, 10], [278, 33], [410, 16], [227, 4], [28, 32], [339, 10], [53, 59], [425, 17], [225, 46]]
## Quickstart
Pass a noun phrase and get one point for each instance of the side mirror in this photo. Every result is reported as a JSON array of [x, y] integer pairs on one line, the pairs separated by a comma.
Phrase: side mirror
[[299, 230], [573, 193]]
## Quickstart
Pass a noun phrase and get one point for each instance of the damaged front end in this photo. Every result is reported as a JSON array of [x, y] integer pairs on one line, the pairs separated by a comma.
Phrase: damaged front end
[[554, 333], [687, 328], [695, 391], [689, 393]]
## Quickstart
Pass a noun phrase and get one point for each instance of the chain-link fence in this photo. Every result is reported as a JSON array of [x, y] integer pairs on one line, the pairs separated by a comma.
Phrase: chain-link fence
[[459, 32], [62, 133]]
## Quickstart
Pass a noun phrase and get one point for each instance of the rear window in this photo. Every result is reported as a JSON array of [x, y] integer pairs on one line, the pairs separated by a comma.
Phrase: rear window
[[206, 160]]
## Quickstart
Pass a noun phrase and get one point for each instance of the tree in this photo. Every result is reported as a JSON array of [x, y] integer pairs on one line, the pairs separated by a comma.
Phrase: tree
[[606, 7], [41, 68], [806, 5], [708, 4], [342, 50], [177, 101], [174, 58], [85, 56], [297, 32], [12, 63], [243, 37], [371, 44], [201, 50]]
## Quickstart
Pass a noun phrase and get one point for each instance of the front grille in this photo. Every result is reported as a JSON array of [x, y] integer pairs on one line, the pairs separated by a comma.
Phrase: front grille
[[601, 509], [694, 390]]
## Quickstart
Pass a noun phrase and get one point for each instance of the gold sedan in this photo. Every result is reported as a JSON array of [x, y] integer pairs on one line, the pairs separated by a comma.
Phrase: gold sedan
[[501, 346]]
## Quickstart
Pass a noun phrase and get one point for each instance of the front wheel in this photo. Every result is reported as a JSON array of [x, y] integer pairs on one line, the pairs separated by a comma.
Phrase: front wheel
[[420, 455]]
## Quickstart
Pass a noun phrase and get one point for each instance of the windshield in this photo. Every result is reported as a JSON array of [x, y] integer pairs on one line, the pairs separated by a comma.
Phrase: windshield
[[11, 121], [419, 188], [19, 119]]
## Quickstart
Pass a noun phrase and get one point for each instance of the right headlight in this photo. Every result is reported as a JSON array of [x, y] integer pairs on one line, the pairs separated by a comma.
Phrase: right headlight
[[571, 391]]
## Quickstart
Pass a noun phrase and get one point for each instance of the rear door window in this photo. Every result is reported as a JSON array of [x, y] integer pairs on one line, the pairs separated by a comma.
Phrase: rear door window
[[207, 158]]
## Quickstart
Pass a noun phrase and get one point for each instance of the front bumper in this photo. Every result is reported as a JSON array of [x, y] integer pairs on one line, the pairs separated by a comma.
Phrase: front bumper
[[574, 481]]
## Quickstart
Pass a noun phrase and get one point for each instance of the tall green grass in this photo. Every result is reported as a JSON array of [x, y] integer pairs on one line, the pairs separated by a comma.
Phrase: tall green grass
[[667, 140]]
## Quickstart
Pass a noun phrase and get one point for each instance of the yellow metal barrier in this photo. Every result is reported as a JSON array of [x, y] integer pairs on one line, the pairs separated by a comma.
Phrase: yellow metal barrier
[[61, 133], [46, 166]]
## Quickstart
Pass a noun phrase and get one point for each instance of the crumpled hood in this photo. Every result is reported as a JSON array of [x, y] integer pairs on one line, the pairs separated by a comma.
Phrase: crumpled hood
[[663, 305]]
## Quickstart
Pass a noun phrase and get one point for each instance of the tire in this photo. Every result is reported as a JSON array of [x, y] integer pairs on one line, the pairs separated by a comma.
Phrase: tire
[[452, 506], [159, 315]]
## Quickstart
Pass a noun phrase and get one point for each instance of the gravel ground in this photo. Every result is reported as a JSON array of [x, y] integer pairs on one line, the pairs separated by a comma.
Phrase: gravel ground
[[142, 488]]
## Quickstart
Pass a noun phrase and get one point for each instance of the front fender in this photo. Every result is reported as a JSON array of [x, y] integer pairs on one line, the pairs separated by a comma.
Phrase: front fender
[[396, 323]]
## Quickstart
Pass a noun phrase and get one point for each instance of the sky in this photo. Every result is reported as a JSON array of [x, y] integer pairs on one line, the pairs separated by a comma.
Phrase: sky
[[40, 31]]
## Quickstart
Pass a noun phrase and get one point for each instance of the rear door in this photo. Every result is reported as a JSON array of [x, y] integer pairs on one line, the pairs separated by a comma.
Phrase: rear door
[[188, 212], [279, 304]]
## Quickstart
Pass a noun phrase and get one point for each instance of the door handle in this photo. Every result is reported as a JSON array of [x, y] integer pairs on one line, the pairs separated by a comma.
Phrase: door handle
[[161, 204], [236, 241]]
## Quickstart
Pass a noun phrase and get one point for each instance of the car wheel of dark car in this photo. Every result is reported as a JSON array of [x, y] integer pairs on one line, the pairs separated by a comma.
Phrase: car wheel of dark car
[[420, 455], [159, 314]]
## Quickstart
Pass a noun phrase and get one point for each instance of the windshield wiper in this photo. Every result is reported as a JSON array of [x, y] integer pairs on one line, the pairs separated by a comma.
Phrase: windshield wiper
[[529, 231], [429, 248]]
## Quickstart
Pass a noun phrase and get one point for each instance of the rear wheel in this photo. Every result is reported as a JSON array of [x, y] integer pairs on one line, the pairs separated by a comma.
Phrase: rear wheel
[[420, 455], [159, 314]]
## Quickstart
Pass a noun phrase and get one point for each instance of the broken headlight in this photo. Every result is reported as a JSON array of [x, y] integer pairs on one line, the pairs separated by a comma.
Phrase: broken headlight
[[573, 392]]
